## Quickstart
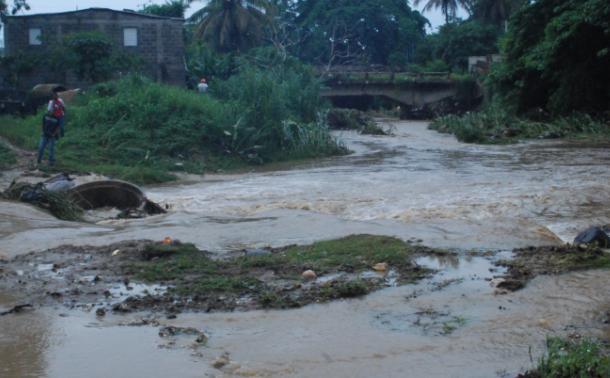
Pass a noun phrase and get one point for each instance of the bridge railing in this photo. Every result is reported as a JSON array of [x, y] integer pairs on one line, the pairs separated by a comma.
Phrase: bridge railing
[[380, 76]]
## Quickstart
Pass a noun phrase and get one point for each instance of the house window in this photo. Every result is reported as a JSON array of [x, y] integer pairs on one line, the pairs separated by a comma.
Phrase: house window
[[35, 36], [130, 37]]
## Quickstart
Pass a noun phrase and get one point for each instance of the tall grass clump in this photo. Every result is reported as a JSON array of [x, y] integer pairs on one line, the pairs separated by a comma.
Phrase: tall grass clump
[[7, 157], [568, 359], [280, 110], [494, 124], [141, 131]]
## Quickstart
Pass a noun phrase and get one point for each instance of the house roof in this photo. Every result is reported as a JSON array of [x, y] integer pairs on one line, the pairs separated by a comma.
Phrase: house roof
[[125, 11]]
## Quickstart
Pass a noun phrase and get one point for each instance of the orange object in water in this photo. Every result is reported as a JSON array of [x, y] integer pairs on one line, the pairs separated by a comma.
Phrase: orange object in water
[[167, 240]]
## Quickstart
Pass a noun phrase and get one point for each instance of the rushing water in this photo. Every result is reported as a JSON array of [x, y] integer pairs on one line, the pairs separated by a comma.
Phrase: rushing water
[[416, 184]]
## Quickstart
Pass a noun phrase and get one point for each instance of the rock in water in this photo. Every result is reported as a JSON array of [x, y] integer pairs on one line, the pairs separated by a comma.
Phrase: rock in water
[[593, 235], [380, 267], [309, 275]]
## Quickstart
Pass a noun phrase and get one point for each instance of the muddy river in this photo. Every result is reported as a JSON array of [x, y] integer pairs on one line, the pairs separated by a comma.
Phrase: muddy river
[[416, 184]]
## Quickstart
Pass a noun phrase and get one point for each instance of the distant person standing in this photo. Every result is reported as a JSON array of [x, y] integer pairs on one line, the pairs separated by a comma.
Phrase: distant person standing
[[52, 127], [202, 87], [57, 109]]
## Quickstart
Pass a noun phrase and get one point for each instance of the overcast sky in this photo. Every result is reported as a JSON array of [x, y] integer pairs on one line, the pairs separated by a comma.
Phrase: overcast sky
[[49, 6]]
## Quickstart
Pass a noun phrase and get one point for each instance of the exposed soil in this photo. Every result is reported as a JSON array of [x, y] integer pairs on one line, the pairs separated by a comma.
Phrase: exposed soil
[[173, 277], [530, 262]]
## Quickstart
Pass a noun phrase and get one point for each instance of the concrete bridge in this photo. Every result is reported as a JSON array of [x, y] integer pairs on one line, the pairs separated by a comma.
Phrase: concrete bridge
[[415, 91]]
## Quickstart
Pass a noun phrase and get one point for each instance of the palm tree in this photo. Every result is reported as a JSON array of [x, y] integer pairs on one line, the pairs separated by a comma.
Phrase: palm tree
[[232, 25], [497, 11], [448, 7]]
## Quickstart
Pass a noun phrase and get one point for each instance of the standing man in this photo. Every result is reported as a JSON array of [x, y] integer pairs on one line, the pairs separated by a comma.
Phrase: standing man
[[203, 86], [52, 127]]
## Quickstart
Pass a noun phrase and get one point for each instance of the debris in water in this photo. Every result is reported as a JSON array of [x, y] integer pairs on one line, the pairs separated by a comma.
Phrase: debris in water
[[116, 252], [17, 309], [221, 361], [170, 331]]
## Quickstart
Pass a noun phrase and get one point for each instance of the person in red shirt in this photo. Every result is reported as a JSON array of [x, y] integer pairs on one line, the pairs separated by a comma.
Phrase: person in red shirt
[[52, 127], [57, 109]]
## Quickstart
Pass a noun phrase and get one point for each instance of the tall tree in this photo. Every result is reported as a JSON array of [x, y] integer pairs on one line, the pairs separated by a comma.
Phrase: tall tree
[[232, 25], [359, 31], [448, 7], [17, 6], [171, 8], [496, 12], [557, 54]]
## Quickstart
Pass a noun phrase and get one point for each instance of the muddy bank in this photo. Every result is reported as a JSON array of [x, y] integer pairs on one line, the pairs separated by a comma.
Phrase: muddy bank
[[171, 276], [530, 262]]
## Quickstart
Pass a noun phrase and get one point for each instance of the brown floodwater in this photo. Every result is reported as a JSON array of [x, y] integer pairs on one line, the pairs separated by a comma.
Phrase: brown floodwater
[[415, 184]]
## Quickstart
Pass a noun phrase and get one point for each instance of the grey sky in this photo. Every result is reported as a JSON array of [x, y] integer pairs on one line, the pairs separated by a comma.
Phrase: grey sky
[[49, 6]]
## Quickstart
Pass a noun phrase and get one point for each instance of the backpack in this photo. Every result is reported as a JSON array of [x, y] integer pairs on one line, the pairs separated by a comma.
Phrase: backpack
[[50, 125]]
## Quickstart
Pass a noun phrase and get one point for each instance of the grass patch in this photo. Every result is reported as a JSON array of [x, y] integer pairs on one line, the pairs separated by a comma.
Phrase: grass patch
[[450, 326], [494, 125], [568, 359], [193, 273], [7, 157], [142, 131]]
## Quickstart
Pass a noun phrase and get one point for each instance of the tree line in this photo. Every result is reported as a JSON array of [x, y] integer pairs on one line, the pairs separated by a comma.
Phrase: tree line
[[556, 52]]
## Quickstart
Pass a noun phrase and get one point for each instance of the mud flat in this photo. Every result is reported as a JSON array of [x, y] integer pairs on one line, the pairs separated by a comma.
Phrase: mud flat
[[445, 308], [171, 276], [528, 263]]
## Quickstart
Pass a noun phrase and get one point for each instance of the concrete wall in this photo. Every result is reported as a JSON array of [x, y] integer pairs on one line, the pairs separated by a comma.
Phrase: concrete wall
[[160, 41]]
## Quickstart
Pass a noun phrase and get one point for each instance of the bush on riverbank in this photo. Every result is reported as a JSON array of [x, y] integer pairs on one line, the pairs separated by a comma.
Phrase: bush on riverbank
[[351, 119], [567, 359], [495, 125], [141, 131]]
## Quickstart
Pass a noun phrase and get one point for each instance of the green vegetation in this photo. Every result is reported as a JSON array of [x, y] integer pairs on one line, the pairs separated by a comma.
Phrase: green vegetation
[[356, 32], [455, 42], [495, 125], [353, 254], [191, 272], [569, 359], [16, 6], [7, 157], [171, 8], [556, 58], [448, 7], [92, 56], [232, 25], [351, 119], [451, 325], [142, 131], [553, 80]]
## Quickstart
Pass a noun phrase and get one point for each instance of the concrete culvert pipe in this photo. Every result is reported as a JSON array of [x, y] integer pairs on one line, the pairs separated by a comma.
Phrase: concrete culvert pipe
[[108, 193]]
